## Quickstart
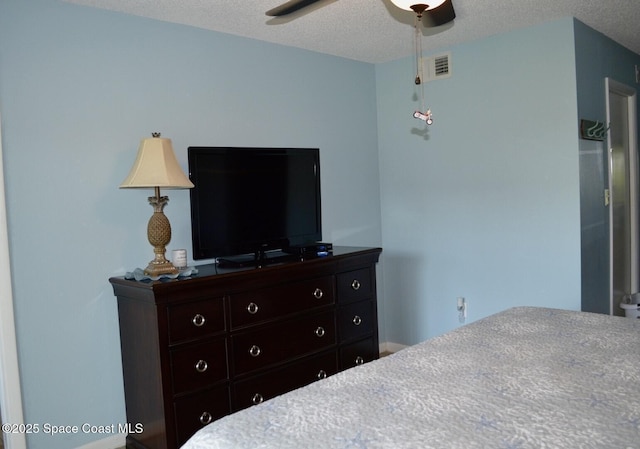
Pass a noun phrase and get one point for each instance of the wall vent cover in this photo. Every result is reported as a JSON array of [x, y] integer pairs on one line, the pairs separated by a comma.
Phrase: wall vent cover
[[438, 67]]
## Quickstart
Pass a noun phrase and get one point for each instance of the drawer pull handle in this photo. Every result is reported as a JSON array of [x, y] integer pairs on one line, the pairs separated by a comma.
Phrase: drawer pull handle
[[318, 293], [205, 418], [255, 351], [257, 399], [357, 320], [355, 284], [201, 366], [198, 320], [322, 374], [252, 308], [320, 331], [359, 360]]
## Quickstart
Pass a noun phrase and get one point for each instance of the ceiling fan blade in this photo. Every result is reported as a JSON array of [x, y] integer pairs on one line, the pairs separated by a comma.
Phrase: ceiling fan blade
[[440, 15], [289, 7]]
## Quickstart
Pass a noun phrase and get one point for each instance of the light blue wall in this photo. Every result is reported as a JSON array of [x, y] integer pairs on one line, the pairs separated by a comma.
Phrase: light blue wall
[[597, 57], [79, 87], [485, 204]]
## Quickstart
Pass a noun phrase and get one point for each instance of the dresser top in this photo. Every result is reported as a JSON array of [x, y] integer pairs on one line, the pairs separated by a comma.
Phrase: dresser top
[[342, 259]]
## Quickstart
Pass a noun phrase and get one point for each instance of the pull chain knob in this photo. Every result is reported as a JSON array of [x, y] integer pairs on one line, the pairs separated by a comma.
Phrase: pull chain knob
[[198, 320], [255, 351], [206, 418], [201, 366], [252, 308]]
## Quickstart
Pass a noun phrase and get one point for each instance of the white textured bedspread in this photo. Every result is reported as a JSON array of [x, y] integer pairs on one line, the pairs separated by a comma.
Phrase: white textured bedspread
[[523, 378]]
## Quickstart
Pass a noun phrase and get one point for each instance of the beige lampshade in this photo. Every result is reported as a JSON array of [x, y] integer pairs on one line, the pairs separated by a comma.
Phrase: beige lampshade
[[407, 4], [156, 166]]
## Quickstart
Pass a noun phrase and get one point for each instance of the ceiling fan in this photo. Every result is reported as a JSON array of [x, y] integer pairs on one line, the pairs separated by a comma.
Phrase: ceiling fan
[[438, 13], [290, 7], [432, 14]]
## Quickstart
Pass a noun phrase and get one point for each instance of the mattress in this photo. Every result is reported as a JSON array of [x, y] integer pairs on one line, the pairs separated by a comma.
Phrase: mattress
[[523, 378]]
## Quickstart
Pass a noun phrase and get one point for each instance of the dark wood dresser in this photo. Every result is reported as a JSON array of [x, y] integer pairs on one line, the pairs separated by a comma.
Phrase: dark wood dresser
[[195, 349]]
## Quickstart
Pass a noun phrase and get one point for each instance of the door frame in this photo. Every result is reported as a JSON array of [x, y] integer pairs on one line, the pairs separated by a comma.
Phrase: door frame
[[10, 392], [624, 90]]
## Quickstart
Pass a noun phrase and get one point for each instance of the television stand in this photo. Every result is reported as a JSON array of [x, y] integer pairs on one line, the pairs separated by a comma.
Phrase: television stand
[[197, 348], [256, 260]]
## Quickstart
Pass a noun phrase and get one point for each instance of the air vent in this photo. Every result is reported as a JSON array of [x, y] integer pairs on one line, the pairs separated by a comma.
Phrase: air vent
[[438, 67]]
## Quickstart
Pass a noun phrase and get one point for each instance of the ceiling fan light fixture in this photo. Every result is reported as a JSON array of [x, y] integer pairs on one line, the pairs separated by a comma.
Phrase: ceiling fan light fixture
[[418, 8]]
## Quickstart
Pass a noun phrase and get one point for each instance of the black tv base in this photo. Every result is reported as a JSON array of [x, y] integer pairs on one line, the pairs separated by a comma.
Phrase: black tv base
[[258, 259]]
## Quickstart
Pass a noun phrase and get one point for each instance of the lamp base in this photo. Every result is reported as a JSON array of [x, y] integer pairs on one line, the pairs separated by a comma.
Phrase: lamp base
[[159, 235], [158, 268]]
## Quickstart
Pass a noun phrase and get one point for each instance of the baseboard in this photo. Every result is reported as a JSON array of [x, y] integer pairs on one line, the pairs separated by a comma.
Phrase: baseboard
[[112, 442], [387, 346]]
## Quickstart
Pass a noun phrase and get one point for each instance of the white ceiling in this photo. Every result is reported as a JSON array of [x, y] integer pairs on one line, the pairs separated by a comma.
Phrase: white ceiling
[[375, 30]]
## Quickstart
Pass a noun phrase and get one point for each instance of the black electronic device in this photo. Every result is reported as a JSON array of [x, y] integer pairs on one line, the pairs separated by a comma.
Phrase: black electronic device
[[253, 200], [310, 250]]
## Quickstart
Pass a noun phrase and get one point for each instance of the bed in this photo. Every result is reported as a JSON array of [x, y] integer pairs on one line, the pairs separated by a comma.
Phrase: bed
[[524, 378]]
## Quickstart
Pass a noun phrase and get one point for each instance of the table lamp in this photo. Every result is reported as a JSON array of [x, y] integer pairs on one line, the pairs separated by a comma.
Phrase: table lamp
[[156, 166]]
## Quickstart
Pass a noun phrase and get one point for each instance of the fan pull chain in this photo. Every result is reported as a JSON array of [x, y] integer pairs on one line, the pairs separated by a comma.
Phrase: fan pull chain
[[418, 49], [425, 116]]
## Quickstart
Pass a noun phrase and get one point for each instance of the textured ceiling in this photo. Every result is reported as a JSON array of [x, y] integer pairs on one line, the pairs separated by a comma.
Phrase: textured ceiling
[[375, 30]]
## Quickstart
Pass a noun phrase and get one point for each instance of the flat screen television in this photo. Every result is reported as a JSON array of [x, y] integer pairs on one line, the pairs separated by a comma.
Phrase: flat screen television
[[248, 201]]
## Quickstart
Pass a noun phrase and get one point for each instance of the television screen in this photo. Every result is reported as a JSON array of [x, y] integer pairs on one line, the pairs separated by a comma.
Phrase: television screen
[[252, 200]]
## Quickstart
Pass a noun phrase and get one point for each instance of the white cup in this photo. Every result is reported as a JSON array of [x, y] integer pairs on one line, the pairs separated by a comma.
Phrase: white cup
[[179, 258]]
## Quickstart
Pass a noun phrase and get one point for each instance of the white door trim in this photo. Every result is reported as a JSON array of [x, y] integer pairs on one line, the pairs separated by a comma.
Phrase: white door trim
[[624, 90], [10, 393]]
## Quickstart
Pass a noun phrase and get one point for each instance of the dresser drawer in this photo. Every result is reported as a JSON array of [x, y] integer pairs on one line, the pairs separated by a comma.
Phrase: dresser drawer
[[356, 320], [196, 319], [198, 366], [256, 306], [266, 386], [358, 353], [354, 285], [195, 411], [286, 340]]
